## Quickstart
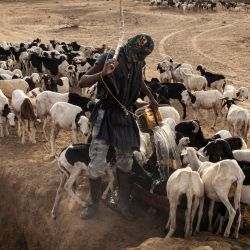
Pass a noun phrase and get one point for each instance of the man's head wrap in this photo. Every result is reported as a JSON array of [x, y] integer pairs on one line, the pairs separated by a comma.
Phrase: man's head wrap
[[140, 46]]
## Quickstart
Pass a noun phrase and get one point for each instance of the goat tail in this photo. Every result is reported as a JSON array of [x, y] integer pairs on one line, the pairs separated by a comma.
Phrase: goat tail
[[224, 85], [237, 193], [246, 128], [205, 85], [29, 125]]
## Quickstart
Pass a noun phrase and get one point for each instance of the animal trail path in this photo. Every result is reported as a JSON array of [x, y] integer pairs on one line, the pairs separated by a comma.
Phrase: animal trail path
[[190, 35]]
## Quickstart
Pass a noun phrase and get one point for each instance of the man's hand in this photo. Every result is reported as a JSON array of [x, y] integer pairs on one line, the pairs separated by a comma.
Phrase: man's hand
[[154, 106], [109, 66]]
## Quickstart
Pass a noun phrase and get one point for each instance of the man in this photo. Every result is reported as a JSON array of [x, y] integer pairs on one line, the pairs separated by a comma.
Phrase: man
[[119, 84]]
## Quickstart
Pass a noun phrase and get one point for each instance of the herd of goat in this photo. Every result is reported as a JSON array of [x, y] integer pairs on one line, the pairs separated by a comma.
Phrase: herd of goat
[[200, 5], [39, 81]]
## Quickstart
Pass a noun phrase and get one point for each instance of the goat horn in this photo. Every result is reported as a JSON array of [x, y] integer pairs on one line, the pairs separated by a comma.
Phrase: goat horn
[[235, 99]]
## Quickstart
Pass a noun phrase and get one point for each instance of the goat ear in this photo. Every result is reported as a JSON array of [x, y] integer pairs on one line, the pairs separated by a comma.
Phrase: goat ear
[[199, 154], [34, 93]]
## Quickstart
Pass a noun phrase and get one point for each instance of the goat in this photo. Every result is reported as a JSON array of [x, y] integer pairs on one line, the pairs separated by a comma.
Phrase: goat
[[211, 99], [65, 115], [32, 80], [5, 114], [60, 85], [237, 118], [8, 86], [26, 117], [45, 101], [193, 130], [218, 179], [193, 82], [215, 81], [72, 161], [165, 91], [188, 182]]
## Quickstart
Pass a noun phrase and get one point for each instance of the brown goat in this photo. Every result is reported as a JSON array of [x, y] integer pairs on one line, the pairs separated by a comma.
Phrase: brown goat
[[28, 117]]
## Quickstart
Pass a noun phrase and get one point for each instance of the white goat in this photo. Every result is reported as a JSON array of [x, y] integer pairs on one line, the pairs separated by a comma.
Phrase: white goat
[[188, 182], [170, 112], [45, 101], [67, 116], [193, 82], [237, 118], [16, 72], [3, 65], [5, 114], [8, 86], [242, 93], [229, 91], [211, 99], [219, 180]]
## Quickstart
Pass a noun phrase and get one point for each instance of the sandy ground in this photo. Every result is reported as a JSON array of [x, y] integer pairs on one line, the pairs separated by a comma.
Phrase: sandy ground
[[28, 182]]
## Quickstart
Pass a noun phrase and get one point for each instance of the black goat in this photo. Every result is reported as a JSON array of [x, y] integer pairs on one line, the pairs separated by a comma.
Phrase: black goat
[[50, 83], [221, 149], [192, 130]]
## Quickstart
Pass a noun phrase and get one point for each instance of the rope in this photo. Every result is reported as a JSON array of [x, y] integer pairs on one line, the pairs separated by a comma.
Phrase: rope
[[117, 50]]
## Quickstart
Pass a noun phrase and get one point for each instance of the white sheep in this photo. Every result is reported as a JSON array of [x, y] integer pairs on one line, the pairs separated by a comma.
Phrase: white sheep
[[67, 116], [188, 182], [211, 99], [8, 86], [218, 178], [5, 114]]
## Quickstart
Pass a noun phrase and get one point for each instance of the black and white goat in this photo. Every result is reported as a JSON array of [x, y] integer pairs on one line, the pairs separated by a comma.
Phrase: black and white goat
[[5, 115], [32, 80], [215, 81], [60, 85], [72, 161]]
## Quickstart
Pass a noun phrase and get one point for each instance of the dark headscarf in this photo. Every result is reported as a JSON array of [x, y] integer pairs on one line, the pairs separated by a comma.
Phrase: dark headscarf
[[140, 46]]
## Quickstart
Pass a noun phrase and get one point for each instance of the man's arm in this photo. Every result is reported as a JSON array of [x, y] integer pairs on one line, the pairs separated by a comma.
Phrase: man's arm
[[92, 76], [146, 91], [96, 73]]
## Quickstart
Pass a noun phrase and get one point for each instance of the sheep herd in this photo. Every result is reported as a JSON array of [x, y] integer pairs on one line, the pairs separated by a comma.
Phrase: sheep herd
[[40, 81]]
